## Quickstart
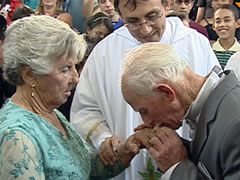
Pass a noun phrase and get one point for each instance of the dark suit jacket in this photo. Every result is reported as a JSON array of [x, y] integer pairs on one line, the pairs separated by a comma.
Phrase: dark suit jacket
[[216, 147]]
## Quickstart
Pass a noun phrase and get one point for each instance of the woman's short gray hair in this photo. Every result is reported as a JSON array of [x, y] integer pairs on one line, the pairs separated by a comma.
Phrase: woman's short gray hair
[[38, 42], [150, 63]]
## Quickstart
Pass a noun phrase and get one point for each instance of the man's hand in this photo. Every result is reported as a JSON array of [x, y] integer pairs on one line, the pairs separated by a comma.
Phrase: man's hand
[[144, 135], [129, 148], [140, 127], [167, 148], [107, 150]]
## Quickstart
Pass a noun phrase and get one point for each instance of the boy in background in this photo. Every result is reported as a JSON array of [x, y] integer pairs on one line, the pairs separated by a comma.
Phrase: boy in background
[[184, 7], [226, 21]]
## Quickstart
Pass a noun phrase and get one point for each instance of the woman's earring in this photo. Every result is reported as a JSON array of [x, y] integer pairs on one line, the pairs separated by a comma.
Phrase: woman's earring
[[33, 87]]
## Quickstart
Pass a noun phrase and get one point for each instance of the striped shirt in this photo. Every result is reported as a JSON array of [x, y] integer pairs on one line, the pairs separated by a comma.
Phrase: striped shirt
[[222, 54]]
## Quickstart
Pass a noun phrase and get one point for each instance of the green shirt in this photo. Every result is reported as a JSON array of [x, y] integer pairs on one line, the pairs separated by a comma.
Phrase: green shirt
[[31, 148]]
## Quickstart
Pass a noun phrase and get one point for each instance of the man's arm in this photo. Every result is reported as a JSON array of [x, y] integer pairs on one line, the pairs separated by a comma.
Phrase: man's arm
[[186, 170], [170, 154], [87, 8]]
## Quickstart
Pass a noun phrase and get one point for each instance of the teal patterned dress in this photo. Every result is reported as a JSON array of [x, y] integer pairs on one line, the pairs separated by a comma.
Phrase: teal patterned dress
[[31, 148]]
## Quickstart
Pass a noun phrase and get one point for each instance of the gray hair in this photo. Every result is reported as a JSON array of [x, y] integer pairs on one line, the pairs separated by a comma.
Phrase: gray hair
[[150, 63], [38, 42]]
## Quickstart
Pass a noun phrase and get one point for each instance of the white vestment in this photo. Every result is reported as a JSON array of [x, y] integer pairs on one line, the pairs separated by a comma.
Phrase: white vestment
[[98, 107], [234, 64]]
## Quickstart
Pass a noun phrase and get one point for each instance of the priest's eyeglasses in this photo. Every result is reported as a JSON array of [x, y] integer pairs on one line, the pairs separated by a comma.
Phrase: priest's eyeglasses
[[148, 20]]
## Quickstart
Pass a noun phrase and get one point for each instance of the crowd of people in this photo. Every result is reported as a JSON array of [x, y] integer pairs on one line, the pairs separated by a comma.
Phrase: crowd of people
[[149, 89]]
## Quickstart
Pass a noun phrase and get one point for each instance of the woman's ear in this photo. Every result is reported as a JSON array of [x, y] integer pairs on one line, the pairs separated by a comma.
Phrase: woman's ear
[[27, 75]]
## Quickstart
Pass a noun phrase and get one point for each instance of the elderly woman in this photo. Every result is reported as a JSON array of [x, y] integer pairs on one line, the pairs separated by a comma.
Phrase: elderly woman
[[37, 142]]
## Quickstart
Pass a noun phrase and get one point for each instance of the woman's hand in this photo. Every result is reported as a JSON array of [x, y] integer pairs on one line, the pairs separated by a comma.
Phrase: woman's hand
[[129, 148], [107, 150]]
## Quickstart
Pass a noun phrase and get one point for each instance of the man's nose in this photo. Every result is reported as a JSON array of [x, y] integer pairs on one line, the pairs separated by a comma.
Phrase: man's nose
[[222, 23], [147, 121], [108, 3], [146, 29], [182, 5]]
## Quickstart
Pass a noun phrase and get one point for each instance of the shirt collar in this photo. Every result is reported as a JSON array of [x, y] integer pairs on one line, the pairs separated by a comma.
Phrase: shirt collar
[[195, 108]]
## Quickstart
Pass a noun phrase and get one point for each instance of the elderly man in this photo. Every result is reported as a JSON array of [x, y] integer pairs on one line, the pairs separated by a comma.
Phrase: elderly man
[[98, 111], [159, 85]]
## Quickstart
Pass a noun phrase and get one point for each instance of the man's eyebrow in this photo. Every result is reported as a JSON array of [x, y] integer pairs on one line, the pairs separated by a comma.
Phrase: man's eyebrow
[[227, 17], [132, 18], [149, 13]]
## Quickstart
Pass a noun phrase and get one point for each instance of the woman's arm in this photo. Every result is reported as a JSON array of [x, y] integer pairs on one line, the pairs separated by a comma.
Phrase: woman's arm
[[18, 158], [87, 8], [124, 153]]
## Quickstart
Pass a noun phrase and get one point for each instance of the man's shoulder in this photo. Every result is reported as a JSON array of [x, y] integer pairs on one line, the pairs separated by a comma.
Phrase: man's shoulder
[[198, 27], [118, 41], [121, 33], [193, 24], [179, 33]]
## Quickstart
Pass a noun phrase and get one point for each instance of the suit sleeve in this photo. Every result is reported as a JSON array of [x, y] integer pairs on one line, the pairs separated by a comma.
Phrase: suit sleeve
[[230, 151], [186, 170]]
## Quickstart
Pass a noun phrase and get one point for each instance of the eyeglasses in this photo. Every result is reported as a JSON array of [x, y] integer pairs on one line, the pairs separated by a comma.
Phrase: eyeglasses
[[149, 20]]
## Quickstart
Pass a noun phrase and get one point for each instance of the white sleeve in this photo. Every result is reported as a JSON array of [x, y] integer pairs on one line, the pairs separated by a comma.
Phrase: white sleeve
[[234, 64], [168, 173], [212, 59], [88, 105]]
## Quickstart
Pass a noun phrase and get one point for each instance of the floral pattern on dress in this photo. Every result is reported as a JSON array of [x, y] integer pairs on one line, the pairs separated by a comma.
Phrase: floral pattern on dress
[[31, 148]]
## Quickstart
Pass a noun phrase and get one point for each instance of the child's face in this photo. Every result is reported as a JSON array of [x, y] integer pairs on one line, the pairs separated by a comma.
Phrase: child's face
[[225, 24]]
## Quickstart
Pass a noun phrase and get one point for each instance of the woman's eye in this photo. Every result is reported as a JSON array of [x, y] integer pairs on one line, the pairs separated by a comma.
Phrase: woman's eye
[[65, 69]]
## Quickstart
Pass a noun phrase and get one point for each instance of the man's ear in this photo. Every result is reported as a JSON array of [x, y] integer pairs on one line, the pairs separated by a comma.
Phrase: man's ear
[[27, 75], [166, 89], [238, 23], [213, 25], [167, 6], [191, 3]]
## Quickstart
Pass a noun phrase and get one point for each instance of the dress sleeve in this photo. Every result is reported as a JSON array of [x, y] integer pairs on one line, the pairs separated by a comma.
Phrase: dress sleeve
[[100, 171], [18, 158]]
